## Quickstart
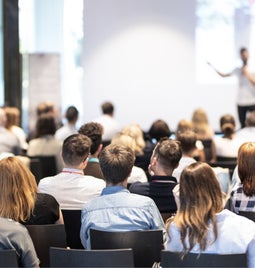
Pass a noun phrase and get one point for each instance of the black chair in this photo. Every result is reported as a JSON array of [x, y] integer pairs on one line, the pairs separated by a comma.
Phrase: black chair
[[72, 219], [248, 214], [43, 166], [61, 257], [173, 259], [8, 258], [46, 236], [146, 244]]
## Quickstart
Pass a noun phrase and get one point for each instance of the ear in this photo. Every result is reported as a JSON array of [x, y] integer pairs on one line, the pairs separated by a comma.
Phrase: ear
[[85, 162]]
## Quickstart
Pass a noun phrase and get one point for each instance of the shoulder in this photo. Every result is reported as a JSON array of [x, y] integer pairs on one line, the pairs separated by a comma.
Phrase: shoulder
[[137, 186], [94, 180]]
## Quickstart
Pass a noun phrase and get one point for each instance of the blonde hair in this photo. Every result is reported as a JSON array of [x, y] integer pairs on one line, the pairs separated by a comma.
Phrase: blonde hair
[[18, 190], [200, 200], [12, 116], [125, 140], [135, 131], [201, 124]]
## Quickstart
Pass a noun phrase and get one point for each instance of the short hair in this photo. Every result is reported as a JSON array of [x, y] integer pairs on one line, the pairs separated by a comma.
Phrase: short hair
[[169, 153], [227, 124], [159, 129], [188, 140], [250, 120], [75, 149], [246, 167], [45, 125], [18, 190], [242, 50], [94, 131], [107, 108], [200, 200], [72, 114], [116, 162], [184, 125]]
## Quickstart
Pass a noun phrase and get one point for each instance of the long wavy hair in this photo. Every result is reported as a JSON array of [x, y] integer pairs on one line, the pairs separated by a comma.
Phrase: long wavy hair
[[246, 167], [18, 190], [200, 200]]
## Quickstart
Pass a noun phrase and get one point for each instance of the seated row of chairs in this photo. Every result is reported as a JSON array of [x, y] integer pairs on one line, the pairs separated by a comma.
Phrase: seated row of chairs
[[62, 257], [114, 249]]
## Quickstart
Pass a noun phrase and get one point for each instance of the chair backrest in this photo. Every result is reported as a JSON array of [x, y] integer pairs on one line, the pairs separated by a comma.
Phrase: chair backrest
[[60, 257], [43, 166], [248, 214], [72, 219], [146, 244], [46, 236], [8, 258], [173, 259]]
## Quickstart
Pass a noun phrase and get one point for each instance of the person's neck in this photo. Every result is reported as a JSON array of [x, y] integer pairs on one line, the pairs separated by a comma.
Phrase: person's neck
[[79, 167], [123, 184]]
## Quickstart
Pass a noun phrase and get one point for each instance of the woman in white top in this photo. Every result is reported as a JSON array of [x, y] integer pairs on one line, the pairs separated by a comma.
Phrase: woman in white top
[[201, 225], [228, 144]]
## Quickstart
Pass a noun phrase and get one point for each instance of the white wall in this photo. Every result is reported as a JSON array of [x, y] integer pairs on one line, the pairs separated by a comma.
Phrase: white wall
[[140, 54]]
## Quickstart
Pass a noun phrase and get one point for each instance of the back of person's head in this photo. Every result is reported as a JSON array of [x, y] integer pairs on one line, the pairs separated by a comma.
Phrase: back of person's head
[[168, 152], [200, 200], [124, 140], [199, 116], [94, 131], [159, 129], [201, 124], [250, 120], [18, 190], [246, 167], [12, 116], [184, 125], [45, 125], [45, 108], [116, 162], [72, 114], [75, 149], [135, 131], [188, 140], [227, 124], [107, 108]]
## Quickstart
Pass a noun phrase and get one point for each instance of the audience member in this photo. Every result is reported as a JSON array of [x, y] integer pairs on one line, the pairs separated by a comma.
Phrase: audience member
[[137, 173], [110, 125], [204, 133], [228, 144], [188, 141], [117, 209], [16, 177], [46, 107], [94, 131], [201, 124], [187, 125], [165, 158], [44, 143], [159, 129], [243, 196], [71, 187], [201, 225], [248, 132], [69, 128], [9, 143], [13, 124]]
